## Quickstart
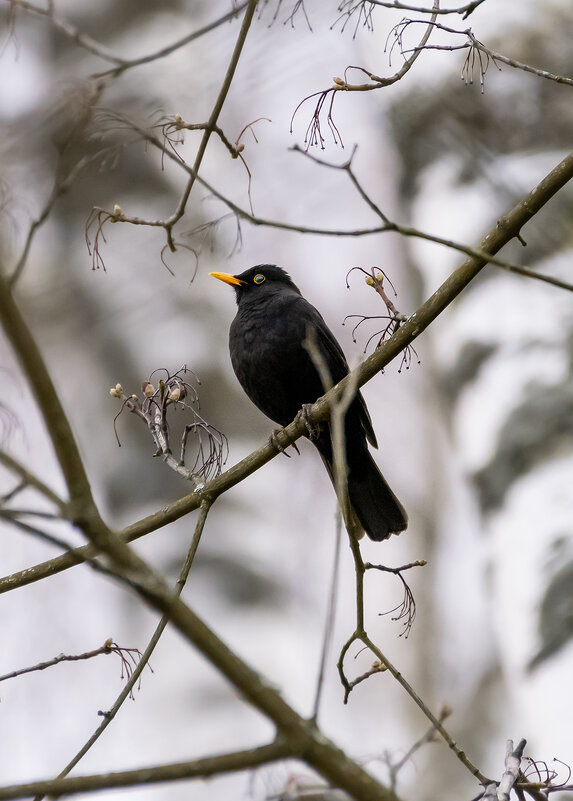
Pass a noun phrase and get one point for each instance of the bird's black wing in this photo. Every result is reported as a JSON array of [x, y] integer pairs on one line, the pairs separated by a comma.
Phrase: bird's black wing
[[338, 366]]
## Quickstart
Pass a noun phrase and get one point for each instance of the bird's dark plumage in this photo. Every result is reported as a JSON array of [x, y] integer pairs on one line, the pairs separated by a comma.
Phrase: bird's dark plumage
[[276, 371]]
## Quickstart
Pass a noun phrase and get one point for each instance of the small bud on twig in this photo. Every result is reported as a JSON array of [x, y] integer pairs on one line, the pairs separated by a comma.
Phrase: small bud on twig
[[177, 393]]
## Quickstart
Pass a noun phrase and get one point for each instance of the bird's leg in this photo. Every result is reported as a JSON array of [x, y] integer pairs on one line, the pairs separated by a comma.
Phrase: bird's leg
[[274, 441], [312, 429]]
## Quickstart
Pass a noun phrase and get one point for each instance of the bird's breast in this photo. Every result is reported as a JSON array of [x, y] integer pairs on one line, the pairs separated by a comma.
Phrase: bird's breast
[[271, 362]]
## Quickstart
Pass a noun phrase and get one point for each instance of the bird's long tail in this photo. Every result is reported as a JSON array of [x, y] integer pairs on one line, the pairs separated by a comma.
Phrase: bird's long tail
[[373, 503], [378, 509]]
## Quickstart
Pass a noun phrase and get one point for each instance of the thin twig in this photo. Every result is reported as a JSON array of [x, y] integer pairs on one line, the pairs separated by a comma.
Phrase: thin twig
[[386, 227], [38, 533], [214, 116], [313, 135], [109, 647], [31, 480], [428, 737], [195, 769], [506, 229], [464, 10], [60, 187], [461, 755], [474, 45], [73, 33], [125, 64], [127, 691], [330, 617]]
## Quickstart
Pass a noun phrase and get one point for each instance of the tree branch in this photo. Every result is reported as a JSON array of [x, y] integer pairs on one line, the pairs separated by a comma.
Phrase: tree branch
[[465, 10], [125, 64], [230, 74], [109, 647], [506, 229], [197, 769], [31, 480], [386, 226], [46, 397], [132, 680]]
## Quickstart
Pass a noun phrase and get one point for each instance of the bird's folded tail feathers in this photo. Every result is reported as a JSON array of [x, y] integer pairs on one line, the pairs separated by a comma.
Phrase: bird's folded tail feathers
[[375, 507], [378, 509]]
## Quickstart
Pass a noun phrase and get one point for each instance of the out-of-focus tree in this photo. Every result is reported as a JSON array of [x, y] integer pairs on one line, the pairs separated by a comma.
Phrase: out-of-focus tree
[[139, 153]]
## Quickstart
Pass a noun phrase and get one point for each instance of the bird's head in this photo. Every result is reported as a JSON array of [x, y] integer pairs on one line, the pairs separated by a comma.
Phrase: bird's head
[[260, 281]]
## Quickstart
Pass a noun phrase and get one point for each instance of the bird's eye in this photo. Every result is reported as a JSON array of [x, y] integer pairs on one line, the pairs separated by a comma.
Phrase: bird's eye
[[258, 279]]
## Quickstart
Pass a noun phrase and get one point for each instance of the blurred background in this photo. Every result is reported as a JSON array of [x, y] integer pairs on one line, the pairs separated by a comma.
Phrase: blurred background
[[476, 438]]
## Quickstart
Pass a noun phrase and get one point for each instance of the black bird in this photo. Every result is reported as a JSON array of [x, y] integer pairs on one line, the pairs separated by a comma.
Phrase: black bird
[[276, 371]]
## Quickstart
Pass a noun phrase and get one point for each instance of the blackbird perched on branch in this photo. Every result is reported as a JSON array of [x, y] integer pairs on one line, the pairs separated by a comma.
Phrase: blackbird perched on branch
[[274, 367]]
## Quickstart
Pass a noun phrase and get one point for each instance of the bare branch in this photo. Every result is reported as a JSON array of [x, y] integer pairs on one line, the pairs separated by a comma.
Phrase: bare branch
[[404, 230], [31, 480], [196, 769], [126, 64], [180, 210], [57, 423], [428, 737], [44, 536], [98, 49], [127, 691], [313, 134], [512, 766], [506, 229], [461, 755], [329, 619], [174, 391], [109, 647], [73, 33], [99, 217], [476, 47], [387, 226], [349, 7]]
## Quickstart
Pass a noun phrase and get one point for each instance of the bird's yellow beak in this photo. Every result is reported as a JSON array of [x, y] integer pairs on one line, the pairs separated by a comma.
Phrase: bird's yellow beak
[[227, 278]]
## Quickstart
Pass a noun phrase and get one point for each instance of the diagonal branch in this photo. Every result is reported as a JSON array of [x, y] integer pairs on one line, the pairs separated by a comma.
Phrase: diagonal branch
[[46, 397], [507, 228], [126, 64], [302, 737], [68, 29], [197, 769], [230, 74], [386, 225], [465, 10], [127, 691], [109, 647], [31, 480]]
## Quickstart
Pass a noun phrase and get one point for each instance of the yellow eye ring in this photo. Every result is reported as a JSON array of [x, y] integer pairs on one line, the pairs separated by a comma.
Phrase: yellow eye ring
[[259, 278]]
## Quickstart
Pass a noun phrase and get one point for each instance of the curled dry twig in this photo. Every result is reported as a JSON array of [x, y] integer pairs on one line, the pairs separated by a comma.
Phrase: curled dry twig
[[406, 613], [127, 657], [313, 135], [172, 129], [350, 7], [406, 610], [173, 391], [375, 279]]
